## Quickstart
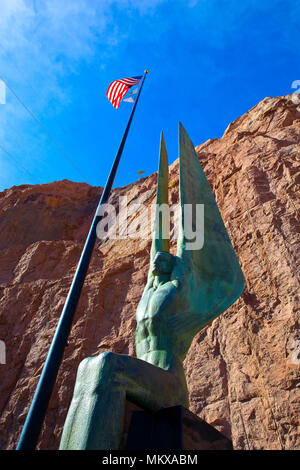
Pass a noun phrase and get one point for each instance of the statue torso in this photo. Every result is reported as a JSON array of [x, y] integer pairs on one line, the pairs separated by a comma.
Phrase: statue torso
[[157, 333]]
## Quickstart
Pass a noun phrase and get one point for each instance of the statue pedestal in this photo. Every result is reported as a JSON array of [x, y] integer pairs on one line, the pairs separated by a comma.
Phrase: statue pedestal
[[174, 428]]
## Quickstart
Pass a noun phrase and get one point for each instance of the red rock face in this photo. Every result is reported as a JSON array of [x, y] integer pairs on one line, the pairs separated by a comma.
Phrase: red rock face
[[243, 369]]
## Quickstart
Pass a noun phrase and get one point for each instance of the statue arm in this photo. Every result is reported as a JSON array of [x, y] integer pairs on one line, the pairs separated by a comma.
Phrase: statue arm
[[178, 276]]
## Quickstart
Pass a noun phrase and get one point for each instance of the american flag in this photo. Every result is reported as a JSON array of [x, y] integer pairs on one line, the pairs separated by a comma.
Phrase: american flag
[[118, 89]]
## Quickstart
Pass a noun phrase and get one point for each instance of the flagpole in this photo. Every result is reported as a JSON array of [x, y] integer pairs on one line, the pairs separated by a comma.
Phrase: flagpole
[[36, 415]]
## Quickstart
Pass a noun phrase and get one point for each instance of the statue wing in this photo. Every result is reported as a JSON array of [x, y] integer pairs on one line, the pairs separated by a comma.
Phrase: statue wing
[[214, 276], [161, 228]]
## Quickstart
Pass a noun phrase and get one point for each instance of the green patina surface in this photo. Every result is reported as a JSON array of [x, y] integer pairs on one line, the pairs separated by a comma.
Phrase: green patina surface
[[183, 293]]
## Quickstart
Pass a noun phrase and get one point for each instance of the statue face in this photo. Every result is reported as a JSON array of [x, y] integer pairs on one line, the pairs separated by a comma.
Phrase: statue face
[[163, 263]]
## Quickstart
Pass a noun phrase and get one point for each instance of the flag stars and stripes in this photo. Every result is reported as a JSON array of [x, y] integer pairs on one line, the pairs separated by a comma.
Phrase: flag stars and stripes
[[118, 89]]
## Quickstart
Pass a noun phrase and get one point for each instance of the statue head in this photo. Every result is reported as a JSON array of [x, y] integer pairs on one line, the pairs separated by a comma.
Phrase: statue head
[[163, 263]]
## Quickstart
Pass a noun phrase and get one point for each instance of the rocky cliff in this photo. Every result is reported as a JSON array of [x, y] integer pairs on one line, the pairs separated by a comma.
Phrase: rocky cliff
[[243, 370]]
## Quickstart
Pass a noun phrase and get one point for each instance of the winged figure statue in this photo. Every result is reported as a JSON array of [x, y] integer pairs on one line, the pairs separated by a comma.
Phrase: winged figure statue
[[183, 294]]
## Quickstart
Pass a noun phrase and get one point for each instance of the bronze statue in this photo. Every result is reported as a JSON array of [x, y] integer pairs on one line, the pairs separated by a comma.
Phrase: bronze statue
[[183, 294]]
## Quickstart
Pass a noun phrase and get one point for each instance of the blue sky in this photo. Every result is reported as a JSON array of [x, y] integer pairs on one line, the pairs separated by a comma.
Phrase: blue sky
[[209, 62]]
